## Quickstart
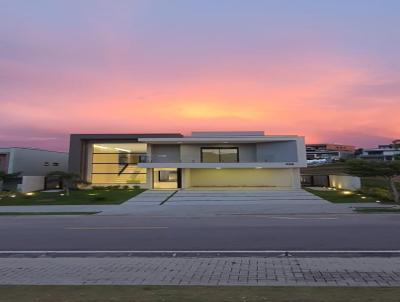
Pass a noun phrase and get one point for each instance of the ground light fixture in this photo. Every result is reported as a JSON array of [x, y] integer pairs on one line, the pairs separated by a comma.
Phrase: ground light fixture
[[29, 194], [347, 192]]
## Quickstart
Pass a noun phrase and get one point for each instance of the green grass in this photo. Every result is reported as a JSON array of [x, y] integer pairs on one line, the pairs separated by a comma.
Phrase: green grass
[[339, 197], [77, 197], [377, 210], [44, 213], [196, 294]]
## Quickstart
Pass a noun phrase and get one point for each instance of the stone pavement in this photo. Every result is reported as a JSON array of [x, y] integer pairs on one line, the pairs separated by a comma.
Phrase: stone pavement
[[271, 271]]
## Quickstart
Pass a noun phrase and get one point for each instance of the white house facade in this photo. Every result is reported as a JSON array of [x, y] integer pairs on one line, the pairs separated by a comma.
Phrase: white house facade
[[201, 160]]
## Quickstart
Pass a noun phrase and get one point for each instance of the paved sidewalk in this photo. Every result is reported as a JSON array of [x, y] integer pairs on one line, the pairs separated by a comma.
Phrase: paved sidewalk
[[273, 271]]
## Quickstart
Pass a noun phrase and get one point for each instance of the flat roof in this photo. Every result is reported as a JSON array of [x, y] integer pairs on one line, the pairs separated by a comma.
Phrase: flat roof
[[226, 139]]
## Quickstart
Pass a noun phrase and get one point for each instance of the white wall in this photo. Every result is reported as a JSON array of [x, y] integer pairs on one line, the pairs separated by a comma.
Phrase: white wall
[[345, 182], [31, 162], [31, 184]]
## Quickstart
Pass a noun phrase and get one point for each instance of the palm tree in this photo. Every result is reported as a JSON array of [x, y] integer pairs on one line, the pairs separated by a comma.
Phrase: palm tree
[[68, 180]]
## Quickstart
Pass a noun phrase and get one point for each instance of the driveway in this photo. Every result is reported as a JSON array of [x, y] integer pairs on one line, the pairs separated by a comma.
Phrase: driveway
[[203, 203]]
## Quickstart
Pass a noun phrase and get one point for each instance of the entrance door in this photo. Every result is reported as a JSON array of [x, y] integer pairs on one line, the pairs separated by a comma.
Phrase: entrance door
[[166, 178]]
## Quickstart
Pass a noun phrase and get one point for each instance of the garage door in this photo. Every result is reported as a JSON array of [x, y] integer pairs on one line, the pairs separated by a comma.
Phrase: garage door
[[242, 177]]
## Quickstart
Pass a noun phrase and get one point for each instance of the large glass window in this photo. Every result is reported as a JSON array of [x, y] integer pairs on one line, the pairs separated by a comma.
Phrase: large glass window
[[219, 155], [117, 163]]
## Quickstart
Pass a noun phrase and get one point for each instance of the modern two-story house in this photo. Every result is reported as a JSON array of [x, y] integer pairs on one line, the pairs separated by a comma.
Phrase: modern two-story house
[[202, 160]]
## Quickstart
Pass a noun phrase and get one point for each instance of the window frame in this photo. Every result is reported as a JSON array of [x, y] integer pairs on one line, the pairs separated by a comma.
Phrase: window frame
[[219, 154]]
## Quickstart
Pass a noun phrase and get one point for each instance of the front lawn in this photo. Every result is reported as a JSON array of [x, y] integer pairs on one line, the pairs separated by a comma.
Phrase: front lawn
[[77, 197], [341, 196], [97, 293]]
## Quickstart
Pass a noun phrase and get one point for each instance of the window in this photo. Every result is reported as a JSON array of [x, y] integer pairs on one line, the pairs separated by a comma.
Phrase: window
[[55, 164], [46, 163], [167, 176], [219, 155], [117, 163]]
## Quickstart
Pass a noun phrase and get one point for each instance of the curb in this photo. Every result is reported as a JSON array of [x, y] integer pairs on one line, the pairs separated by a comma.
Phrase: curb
[[196, 254]]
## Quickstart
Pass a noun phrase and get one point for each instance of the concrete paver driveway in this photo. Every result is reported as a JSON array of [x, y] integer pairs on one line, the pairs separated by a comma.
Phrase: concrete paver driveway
[[199, 203]]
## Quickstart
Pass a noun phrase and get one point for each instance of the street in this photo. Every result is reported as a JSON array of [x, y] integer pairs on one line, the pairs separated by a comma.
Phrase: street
[[345, 232]]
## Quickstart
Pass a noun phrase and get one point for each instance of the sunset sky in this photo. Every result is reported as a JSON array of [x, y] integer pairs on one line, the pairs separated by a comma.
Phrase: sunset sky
[[328, 70]]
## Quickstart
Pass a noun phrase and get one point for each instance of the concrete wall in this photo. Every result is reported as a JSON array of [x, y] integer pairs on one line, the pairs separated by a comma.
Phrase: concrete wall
[[281, 178], [35, 162], [31, 184], [277, 152], [345, 182], [165, 154]]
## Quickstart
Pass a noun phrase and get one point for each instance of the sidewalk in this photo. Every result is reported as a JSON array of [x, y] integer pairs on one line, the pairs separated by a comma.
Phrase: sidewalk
[[271, 271]]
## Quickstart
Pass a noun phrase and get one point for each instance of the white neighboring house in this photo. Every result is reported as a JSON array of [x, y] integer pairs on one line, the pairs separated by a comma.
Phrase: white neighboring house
[[32, 164], [383, 152], [202, 160]]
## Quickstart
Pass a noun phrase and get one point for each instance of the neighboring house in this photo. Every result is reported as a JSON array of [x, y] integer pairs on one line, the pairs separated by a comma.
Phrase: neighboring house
[[328, 152], [383, 152], [204, 159], [32, 164]]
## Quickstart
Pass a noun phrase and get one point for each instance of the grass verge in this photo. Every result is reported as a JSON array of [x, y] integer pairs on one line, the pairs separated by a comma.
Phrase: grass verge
[[44, 213], [376, 210], [77, 197], [339, 196], [196, 294]]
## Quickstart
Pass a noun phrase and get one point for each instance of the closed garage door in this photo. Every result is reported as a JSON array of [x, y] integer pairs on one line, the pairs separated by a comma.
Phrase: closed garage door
[[242, 177]]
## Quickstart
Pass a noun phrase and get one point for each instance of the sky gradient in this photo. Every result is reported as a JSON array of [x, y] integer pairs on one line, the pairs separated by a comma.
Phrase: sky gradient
[[328, 70]]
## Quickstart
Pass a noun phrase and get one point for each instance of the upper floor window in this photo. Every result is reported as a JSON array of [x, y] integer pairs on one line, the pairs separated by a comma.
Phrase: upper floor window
[[219, 155]]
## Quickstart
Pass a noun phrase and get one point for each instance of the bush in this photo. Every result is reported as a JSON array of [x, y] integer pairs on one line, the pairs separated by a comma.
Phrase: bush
[[125, 187]]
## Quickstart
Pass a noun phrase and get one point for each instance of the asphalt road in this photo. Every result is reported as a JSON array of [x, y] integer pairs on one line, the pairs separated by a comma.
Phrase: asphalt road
[[225, 233]]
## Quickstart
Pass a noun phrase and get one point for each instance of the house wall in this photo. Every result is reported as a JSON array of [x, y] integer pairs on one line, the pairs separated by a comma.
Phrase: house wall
[[345, 182], [31, 184], [192, 153], [280, 178], [32, 162], [277, 151], [165, 154]]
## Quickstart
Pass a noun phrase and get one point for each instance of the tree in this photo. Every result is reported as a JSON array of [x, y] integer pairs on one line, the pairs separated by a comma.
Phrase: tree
[[6, 176], [68, 180], [388, 170]]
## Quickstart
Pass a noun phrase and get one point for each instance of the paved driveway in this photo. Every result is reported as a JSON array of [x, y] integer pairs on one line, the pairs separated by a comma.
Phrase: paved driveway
[[200, 203]]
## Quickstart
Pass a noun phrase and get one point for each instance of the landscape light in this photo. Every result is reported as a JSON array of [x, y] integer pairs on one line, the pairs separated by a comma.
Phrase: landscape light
[[378, 201], [92, 194], [347, 192], [13, 196], [29, 193], [62, 194], [363, 197]]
